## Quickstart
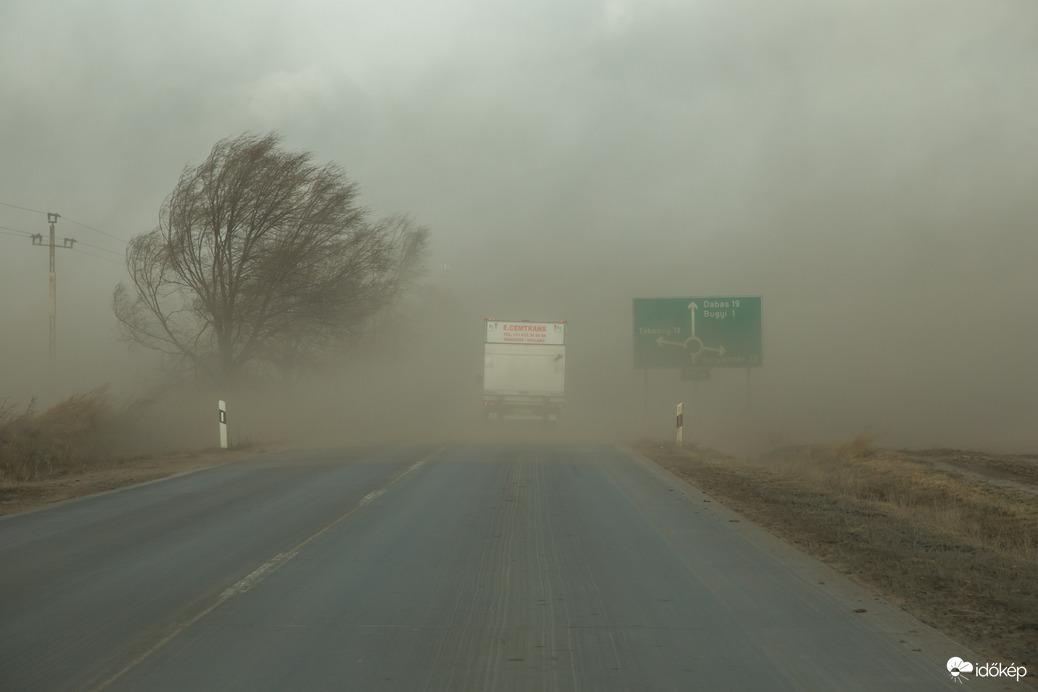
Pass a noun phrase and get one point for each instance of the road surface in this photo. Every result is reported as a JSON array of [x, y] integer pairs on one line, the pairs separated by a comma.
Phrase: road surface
[[468, 567]]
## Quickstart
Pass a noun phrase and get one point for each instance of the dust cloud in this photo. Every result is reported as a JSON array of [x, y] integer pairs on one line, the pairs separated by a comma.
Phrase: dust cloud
[[868, 169]]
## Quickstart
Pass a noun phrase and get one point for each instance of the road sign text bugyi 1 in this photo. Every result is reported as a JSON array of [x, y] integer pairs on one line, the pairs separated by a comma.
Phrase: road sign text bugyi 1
[[701, 332]]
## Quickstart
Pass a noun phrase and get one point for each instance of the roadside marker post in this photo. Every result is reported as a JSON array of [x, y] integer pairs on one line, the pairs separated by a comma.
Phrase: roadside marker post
[[680, 423], [223, 424]]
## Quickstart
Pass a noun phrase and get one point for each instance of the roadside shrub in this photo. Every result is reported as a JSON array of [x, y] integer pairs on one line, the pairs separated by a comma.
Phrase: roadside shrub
[[70, 436]]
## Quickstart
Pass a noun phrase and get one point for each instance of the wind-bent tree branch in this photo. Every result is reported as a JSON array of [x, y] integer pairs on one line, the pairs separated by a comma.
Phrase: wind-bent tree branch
[[261, 262]]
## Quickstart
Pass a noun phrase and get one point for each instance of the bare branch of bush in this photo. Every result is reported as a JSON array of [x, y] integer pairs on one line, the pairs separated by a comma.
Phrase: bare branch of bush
[[70, 436]]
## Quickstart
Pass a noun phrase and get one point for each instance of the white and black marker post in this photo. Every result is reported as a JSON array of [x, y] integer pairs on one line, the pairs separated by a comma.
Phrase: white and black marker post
[[223, 424], [680, 422]]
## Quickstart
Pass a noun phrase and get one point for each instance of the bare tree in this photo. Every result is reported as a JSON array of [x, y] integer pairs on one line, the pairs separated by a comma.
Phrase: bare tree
[[261, 262]]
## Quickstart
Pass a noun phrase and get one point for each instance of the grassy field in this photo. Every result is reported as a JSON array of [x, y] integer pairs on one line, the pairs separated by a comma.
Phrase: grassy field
[[949, 535]]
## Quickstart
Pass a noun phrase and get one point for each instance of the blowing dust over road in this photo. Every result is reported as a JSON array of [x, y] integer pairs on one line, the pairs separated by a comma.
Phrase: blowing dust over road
[[865, 168]]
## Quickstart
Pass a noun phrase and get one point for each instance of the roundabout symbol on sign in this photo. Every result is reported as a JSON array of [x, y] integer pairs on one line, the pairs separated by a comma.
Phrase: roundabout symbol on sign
[[693, 344]]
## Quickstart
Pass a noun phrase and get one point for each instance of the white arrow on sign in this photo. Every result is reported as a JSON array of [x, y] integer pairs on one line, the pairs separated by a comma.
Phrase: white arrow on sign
[[692, 307]]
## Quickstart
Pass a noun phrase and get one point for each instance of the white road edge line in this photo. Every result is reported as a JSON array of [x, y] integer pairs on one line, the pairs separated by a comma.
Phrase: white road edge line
[[371, 496], [262, 571], [258, 574]]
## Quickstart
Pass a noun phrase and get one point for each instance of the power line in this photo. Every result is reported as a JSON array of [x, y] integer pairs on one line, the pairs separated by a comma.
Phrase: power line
[[95, 230], [6, 230], [15, 233], [90, 254], [72, 221], [15, 206], [102, 249]]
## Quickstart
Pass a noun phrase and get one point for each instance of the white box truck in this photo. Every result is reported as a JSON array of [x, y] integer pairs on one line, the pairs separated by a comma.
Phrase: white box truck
[[524, 370]]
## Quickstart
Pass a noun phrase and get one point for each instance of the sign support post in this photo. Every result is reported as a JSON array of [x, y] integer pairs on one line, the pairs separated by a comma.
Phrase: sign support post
[[645, 399], [749, 400]]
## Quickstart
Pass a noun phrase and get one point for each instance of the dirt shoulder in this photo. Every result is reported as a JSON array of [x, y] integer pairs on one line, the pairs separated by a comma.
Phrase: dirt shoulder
[[950, 536], [18, 496]]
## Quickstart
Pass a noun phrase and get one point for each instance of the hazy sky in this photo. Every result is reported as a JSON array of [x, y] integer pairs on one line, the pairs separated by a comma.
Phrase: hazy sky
[[869, 168]]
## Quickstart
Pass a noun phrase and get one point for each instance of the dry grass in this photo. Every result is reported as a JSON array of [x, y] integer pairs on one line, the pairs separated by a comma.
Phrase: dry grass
[[913, 491], [88, 444], [958, 551], [81, 432]]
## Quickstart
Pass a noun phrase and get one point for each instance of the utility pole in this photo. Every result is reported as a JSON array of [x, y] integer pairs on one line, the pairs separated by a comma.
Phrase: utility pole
[[37, 239]]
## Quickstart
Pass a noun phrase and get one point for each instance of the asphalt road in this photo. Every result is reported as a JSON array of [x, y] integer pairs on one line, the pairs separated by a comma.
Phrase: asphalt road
[[480, 567]]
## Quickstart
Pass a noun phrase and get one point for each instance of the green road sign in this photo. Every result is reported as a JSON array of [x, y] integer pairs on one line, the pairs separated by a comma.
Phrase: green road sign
[[698, 332]]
